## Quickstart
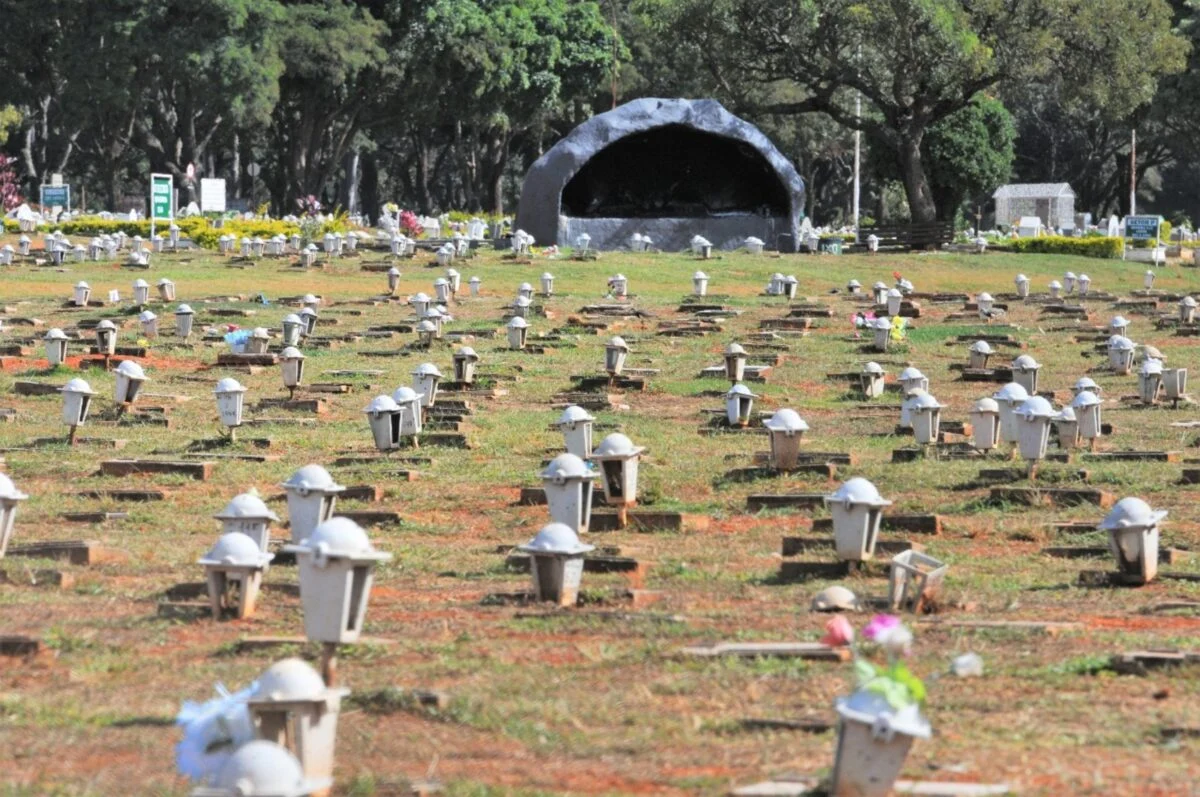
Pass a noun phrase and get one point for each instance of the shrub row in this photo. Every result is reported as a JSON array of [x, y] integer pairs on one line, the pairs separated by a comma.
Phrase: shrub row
[[1105, 248]]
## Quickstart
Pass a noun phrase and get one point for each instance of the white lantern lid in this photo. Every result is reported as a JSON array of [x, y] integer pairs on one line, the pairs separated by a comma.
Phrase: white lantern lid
[[858, 491], [1151, 366], [556, 538], [1084, 278], [381, 404], [426, 326], [263, 769], [1070, 275], [140, 283], [184, 309], [236, 548], [986, 405], [875, 711], [1011, 392], [475, 280], [910, 373], [1055, 284], [165, 281], [1086, 383], [699, 275], [246, 506], [894, 293], [312, 477], [229, 385], [420, 297], [131, 370], [1084, 399], [1025, 363], [1021, 278], [984, 297], [853, 284], [290, 680], [1131, 513], [567, 466], [427, 369], [1120, 343], [440, 281], [106, 325], [82, 284], [836, 597], [751, 241], [9, 491], [786, 420], [734, 349], [292, 318], [1119, 322], [982, 347], [739, 390], [574, 414], [309, 312], [522, 301], [291, 353], [404, 395], [1066, 415], [873, 369], [925, 401], [55, 334], [341, 536], [78, 385], [1188, 301], [145, 316], [1035, 407], [260, 333], [517, 323], [617, 445], [546, 275], [617, 342], [393, 271], [881, 323], [466, 353]]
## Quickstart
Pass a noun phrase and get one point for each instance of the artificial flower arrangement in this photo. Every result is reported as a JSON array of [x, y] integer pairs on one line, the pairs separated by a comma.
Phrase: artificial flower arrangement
[[879, 721]]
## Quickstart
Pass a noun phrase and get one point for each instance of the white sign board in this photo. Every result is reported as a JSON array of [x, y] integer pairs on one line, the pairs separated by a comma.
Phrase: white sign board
[[212, 195]]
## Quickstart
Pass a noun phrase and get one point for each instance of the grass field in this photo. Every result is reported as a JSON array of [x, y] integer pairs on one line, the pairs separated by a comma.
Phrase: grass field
[[592, 700]]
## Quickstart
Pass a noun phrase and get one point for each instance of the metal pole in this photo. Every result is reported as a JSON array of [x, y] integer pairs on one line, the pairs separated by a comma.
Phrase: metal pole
[[1133, 172], [857, 150]]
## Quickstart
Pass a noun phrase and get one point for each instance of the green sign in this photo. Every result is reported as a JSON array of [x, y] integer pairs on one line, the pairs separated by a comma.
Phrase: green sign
[[161, 188], [56, 196], [1142, 228]]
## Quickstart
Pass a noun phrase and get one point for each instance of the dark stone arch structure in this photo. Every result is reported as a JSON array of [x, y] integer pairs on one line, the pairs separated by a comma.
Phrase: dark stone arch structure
[[670, 169]]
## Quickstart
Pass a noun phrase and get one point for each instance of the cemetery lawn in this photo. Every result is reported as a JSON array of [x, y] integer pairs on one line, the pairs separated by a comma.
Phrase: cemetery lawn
[[595, 700]]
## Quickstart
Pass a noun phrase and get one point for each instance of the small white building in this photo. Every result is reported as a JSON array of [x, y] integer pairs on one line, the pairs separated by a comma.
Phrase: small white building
[[1053, 203]]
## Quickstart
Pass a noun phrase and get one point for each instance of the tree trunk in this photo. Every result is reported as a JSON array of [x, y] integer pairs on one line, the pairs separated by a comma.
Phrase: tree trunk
[[916, 182], [370, 187]]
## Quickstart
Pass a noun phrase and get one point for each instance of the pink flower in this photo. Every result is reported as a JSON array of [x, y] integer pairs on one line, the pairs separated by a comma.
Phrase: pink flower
[[880, 624], [838, 633]]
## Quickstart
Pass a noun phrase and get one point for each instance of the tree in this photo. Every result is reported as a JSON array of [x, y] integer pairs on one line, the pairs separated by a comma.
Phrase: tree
[[970, 153], [916, 62]]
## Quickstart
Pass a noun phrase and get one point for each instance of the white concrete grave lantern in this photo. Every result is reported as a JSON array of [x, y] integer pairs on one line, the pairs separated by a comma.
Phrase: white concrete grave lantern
[[441, 290], [1069, 281], [525, 291], [1120, 354], [55, 342], [6, 255], [857, 508], [308, 318], [293, 328], [879, 293], [547, 283], [978, 354], [518, 331], [160, 242], [926, 414], [911, 379], [425, 380], [882, 329], [894, 299], [1187, 310], [871, 379], [790, 286], [247, 514], [308, 257], [872, 243], [166, 290], [985, 302], [913, 577], [556, 563], [231, 399], [24, 245], [173, 230], [1150, 381], [520, 306], [1009, 398], [259, 341], [568, 483], [985, 424], [1086, 406], [702, 247], [311, 498], [1132, 528], [10, 499], [291, 368], [130, 378], [615, 352], [106, 338], [739, 406], [310, 300], [637, 243], [775, 284], [262, 769], [337, 566], [906, 287], [1025, 372], [420, 303], [854, 287], [981, 244], [141, 292], [699, 284], [455, 280], [385, 417], [393, 280], [410, 401], [1119, 325], [1055, 289], [1174, 383], [1148, 279], [184, 316], [907, 405], [618, 459], [149, 322], [82, 294], [576, 425], [1085, 383], [1083, 284], [583, 242], [1066, 426], [1033, 423], [234, 570], [786, 429], [329, 243], [473, 284], [619, 286], [427, 332], [735, 362], [753, 245], [77, 401], [465, 360], [294, 708]]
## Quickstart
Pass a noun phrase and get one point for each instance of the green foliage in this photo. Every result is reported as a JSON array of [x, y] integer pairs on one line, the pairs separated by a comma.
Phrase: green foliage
[[970, 152], [200, 230], [1107, 248]]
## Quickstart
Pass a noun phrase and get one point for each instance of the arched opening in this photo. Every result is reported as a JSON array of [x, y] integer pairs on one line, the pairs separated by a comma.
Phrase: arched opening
[[675, 171]]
